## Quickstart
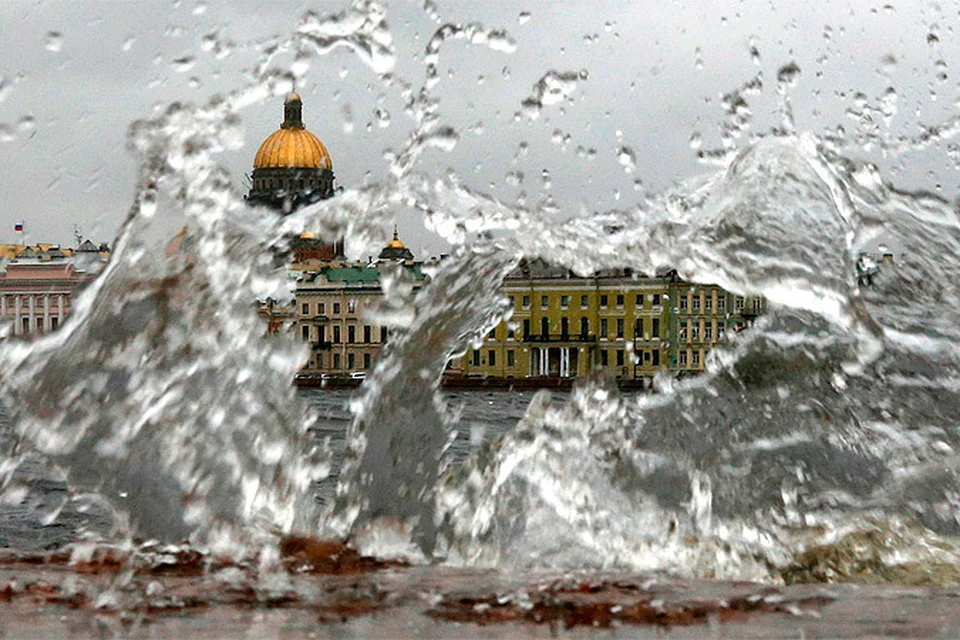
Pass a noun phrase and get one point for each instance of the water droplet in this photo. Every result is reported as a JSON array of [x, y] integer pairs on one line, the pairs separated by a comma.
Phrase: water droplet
[[513, 178], [698, 58], [27, 124], [383, 117], [200, 9], [627, 159], [505, 73], [524, 17], [696, 141], [128, 43], [481, 79], [54, 41], [6, 133], [545, 179], [888, 64], [788, 74], [5, 86], [184, 64], [933, 39]]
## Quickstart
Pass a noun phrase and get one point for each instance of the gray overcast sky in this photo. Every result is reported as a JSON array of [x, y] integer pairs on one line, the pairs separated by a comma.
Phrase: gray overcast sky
[[655, 74]]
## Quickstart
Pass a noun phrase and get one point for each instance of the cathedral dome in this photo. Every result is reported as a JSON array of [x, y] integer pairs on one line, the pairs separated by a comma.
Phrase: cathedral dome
[[292, 146]]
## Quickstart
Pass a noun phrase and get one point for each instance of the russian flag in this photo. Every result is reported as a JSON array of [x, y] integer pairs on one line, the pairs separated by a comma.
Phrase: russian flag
[[18, 226]]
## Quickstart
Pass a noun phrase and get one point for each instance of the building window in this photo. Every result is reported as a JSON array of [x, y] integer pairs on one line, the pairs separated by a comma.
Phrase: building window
[[351, 361], [683, 302], [510, 335], [603, 327], [351, 306], [351, 334], [336, 334], [721, 330], [708, 332], [682, 333], [738, 303], [696, 302], [683, 357], [383, 334], [656, 300], [366, 361], [545, 327], [564, 327], [492, 358], [708, 301], [584, 302], [526, 302], [638, 328], [305, 333], [721, 302], [336, 361], [655, 329], [54, 323], [619, 301], [619, 327], [526, 328], [695, 332], [323, 309], [336, 308], [656, 358], [320, 360], [476, 358], [619, 357], [564, 302], [26, 324], [604, 358], [639, 301], [603, 301], [696, 357], [511, 358], [366, 333], [544, 302], [305, 309], [757, 304], [584, 327]]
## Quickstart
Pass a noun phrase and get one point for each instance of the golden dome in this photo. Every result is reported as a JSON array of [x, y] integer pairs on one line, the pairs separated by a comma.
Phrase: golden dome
[[292, 145], [395, 243]]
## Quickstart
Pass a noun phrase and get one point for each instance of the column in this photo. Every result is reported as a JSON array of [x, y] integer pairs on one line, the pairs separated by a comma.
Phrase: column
[[60, 310], [3, 306], [32, 306], [17, 310], [546, 362], [46, 313]]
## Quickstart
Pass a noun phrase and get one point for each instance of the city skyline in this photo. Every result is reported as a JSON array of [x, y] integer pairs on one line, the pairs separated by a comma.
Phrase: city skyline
[[650, 79]]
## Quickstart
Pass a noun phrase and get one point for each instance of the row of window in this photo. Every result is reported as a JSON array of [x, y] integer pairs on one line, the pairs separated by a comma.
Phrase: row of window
[[689, 358], [38, 322], [322, 308], [643, 328], [271, 184], [651, 358], [619, 300], [691, 331], [337, 359], [336, 334], [693, 303]]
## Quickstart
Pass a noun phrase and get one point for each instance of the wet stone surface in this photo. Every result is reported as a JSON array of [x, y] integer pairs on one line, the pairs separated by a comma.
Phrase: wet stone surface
[[324, 588]]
